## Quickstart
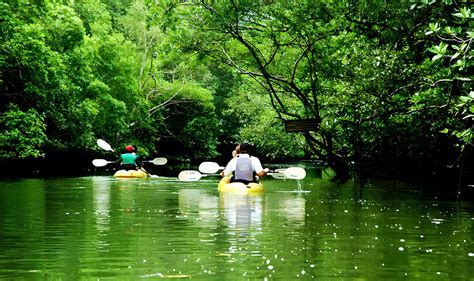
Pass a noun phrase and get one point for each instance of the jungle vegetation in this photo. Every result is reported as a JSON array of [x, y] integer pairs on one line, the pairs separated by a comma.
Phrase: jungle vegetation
[[388, 83]]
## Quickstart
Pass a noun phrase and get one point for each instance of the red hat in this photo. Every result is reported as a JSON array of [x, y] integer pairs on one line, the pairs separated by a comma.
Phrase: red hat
[[129, 148]]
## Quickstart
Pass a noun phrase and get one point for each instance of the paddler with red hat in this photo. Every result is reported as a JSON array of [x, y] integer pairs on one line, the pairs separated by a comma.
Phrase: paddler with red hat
[[129, 160]]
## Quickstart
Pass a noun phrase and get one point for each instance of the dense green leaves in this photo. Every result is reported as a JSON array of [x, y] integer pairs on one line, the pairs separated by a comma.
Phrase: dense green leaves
[[193, 78], [22, 134], [95, 70]]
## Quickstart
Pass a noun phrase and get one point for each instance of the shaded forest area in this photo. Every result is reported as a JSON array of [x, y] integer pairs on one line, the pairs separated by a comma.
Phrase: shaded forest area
[[388, 85]]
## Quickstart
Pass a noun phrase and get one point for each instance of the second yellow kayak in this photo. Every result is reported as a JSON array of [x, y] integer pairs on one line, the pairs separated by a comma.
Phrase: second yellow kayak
[[128, 174]]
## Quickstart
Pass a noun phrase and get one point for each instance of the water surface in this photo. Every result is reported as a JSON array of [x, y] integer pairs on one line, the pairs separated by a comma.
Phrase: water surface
[[104, 228]]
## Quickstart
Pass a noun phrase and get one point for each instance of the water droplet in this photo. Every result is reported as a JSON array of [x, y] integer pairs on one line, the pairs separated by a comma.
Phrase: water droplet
[[401, 249]]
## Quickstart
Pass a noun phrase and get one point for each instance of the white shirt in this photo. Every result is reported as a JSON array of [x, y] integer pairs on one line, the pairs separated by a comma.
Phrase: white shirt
[[256, 165]]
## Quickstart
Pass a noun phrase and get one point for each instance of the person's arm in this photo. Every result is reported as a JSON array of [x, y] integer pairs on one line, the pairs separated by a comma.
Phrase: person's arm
[[138, 161], [227, 172], [263, 172], [259, 170]]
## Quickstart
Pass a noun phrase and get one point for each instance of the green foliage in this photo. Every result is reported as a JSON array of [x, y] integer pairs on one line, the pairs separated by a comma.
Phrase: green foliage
[[452, 38], [258, 125], [22, 134], [190, 78], [62, 27], [191, 128], [363, 74]]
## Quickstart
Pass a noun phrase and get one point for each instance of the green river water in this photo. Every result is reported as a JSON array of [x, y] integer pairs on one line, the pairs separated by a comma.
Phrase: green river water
[[98, 227]]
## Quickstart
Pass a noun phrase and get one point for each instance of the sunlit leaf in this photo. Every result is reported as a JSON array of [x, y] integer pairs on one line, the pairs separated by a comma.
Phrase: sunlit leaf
[[455, 56], [437, 57]]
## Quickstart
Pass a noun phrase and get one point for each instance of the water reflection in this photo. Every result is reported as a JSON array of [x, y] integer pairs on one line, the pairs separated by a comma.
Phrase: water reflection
[[198, 206], [239, 212], [99, 227], [101, 193], [242, 212], [293, 209]]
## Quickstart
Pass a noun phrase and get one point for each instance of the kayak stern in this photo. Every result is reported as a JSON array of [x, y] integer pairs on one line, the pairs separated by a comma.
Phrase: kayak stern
[[237, 187]]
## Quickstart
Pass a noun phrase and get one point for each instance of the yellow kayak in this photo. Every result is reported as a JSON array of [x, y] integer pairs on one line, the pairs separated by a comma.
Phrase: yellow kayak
[[237, 187], [130, 174]]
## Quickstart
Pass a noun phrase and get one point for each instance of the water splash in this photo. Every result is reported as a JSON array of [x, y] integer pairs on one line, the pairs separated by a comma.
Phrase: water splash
[[300, 188]]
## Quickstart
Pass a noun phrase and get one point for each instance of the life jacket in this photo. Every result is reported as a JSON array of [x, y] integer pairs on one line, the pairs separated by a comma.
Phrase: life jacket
[[128, 158], [243, 170]]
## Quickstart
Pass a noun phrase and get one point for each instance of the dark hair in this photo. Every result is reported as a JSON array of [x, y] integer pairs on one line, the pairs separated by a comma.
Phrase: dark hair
[[244, 148]]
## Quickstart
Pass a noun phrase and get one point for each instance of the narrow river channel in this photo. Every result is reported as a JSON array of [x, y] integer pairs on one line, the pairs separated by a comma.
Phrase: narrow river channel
[[99, 227]]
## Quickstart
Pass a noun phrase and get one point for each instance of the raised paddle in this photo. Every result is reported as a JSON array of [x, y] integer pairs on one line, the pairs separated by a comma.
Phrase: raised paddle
[[104, 145]]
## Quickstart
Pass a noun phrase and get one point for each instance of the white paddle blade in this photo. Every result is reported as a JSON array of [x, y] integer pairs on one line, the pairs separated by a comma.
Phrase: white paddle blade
[[295, 173], [159, 161], [189, 175], [104, 145], [100, 162], [209, 167], [278, 176]]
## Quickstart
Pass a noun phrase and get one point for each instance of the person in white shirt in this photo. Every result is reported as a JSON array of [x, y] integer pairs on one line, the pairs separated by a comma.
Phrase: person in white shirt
[[244, 168]]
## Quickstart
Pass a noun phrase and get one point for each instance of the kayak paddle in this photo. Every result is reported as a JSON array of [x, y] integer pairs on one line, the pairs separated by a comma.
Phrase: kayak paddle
[[278, 176], [158, 161], [190, 175], [294, 173], [209, 167], [104, 145], [101, 162]]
